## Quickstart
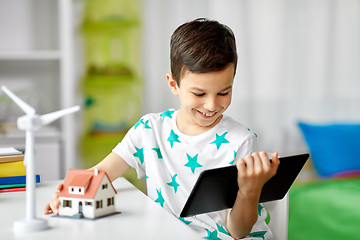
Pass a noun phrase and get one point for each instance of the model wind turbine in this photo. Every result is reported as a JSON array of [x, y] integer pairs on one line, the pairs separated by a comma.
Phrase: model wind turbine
[[31, 122]]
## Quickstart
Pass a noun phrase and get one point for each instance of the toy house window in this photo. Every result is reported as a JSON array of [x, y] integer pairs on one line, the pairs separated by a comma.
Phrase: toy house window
[[104, 186], [110, 201], [88, 203], [67, 203], [99, 204]]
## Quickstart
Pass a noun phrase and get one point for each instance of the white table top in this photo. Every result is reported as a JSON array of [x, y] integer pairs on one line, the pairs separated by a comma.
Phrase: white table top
[[140, 218]]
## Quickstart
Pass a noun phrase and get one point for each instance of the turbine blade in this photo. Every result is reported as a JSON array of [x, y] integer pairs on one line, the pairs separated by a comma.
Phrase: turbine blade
[[50, 117], [23, 105]]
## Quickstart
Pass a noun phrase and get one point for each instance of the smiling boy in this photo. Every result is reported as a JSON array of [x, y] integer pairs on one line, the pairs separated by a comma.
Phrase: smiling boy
[[173, 147]]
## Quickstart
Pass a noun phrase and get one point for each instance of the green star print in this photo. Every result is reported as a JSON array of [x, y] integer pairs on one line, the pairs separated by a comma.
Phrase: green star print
[[258, 234], [220, 140], [186, 222], [167, 113], [146, 124], [222, 229], [160, 198], [141, 121], [158, 152], [232, 162], [212, 235], [173, 138], [259, 209], [140, 154], [192, 162], [173, 183]]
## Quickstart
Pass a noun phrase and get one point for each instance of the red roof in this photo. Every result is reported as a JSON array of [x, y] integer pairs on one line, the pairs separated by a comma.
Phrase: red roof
[[81, 178]]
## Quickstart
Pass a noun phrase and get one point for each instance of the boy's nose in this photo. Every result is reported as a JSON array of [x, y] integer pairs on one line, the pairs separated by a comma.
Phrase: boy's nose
[[211, 104]]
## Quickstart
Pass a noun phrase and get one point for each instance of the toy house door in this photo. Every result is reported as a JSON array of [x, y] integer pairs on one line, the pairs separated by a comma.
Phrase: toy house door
[[80, 208]]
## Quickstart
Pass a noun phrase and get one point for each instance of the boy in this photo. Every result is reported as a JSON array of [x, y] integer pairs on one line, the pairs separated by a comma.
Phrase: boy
[[173, 147]]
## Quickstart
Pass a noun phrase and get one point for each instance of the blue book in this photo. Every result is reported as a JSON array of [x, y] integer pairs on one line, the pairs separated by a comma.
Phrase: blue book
[[16, 180]]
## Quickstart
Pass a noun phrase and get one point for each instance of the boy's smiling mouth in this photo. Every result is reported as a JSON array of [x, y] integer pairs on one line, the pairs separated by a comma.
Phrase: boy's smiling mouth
[[207, 115]]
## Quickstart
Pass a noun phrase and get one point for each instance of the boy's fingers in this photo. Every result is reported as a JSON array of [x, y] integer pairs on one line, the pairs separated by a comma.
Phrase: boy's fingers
[[59, 187], [241, 166], [266, 164], [258, 165], [249, 161], [275, 162], [47, 209]]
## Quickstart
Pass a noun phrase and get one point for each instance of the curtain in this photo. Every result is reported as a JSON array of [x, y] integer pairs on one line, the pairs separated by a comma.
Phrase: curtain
[[298, 60]]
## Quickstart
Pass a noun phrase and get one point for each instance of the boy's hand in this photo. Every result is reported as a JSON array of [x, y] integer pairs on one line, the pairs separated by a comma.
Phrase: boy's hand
[[53, 206], [254, 171]]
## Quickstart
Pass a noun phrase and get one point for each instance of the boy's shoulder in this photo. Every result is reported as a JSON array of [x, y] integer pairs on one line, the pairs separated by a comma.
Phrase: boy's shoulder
[[164, 115], [228, 123]]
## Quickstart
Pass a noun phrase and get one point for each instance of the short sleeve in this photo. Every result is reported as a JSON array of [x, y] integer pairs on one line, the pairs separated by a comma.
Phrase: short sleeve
[[131, 150], [249, 146]]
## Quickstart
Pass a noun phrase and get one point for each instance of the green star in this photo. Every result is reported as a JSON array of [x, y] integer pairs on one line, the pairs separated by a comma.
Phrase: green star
[[259, 209], [258, 234], [268, 217], [232, 162], [141, 121], [158, 152], [160, 198], [192, 162], [173, 138], [212, 235], [220, 140], [173, 183], [140, 154], [146, 124], [222, 229], [167, 113], [186, 222]]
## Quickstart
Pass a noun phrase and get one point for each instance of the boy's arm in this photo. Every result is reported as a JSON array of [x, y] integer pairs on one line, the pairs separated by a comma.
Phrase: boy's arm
[[253, 172], [112, 164]]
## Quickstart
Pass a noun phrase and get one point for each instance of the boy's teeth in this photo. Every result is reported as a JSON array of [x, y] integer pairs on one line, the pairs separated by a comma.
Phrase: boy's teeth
[[209, 114]]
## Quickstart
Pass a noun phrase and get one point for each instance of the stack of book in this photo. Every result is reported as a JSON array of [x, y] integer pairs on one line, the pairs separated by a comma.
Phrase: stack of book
[[12, 170]]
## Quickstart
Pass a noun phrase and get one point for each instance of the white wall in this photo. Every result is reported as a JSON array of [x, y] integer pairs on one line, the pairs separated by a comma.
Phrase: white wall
[[298, 60]]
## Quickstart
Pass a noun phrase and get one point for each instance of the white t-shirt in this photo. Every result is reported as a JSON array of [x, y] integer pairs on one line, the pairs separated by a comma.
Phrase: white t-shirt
[[172, 162]]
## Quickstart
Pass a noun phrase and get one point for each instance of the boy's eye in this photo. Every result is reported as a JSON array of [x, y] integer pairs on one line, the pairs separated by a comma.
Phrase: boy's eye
[[199, 94], [223, 94]]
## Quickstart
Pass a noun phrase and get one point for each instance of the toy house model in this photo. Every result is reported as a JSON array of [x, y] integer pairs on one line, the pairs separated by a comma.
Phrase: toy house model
[[86, 193]]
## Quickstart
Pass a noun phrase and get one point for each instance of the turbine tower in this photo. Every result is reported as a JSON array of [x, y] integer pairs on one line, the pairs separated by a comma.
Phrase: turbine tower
[[30, 123]]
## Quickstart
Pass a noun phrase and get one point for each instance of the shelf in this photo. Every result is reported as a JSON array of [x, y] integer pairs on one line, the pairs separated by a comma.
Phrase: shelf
[[30, 55]]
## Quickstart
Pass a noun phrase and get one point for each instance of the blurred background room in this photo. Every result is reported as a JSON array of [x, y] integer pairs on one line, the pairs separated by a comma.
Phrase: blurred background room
[[299, 61]]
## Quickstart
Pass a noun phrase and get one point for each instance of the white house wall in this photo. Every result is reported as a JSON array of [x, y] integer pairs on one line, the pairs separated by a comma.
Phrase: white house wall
[[87, 211], [104, 194]]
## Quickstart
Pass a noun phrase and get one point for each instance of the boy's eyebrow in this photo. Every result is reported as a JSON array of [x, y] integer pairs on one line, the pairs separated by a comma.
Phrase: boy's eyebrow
[[202, 90], [227, 88]]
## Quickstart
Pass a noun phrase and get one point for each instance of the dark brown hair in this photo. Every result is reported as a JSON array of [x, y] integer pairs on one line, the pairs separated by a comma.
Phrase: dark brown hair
[[201, 46]]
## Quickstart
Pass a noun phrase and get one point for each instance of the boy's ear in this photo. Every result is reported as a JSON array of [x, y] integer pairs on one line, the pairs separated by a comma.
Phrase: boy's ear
[[172, 84]]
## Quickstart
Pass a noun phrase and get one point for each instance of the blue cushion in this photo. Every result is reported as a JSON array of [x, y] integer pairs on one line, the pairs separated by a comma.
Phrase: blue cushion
[[334, 148]]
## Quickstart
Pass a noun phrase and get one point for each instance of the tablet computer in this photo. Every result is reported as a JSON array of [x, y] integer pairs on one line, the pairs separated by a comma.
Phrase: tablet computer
[[216, 189]]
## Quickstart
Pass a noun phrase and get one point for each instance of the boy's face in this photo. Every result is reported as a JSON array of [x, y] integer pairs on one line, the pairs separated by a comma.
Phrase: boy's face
[[203, 98]]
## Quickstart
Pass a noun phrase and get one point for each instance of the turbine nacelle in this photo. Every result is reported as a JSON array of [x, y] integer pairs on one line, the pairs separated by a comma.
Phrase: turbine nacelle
[[28, 122]]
